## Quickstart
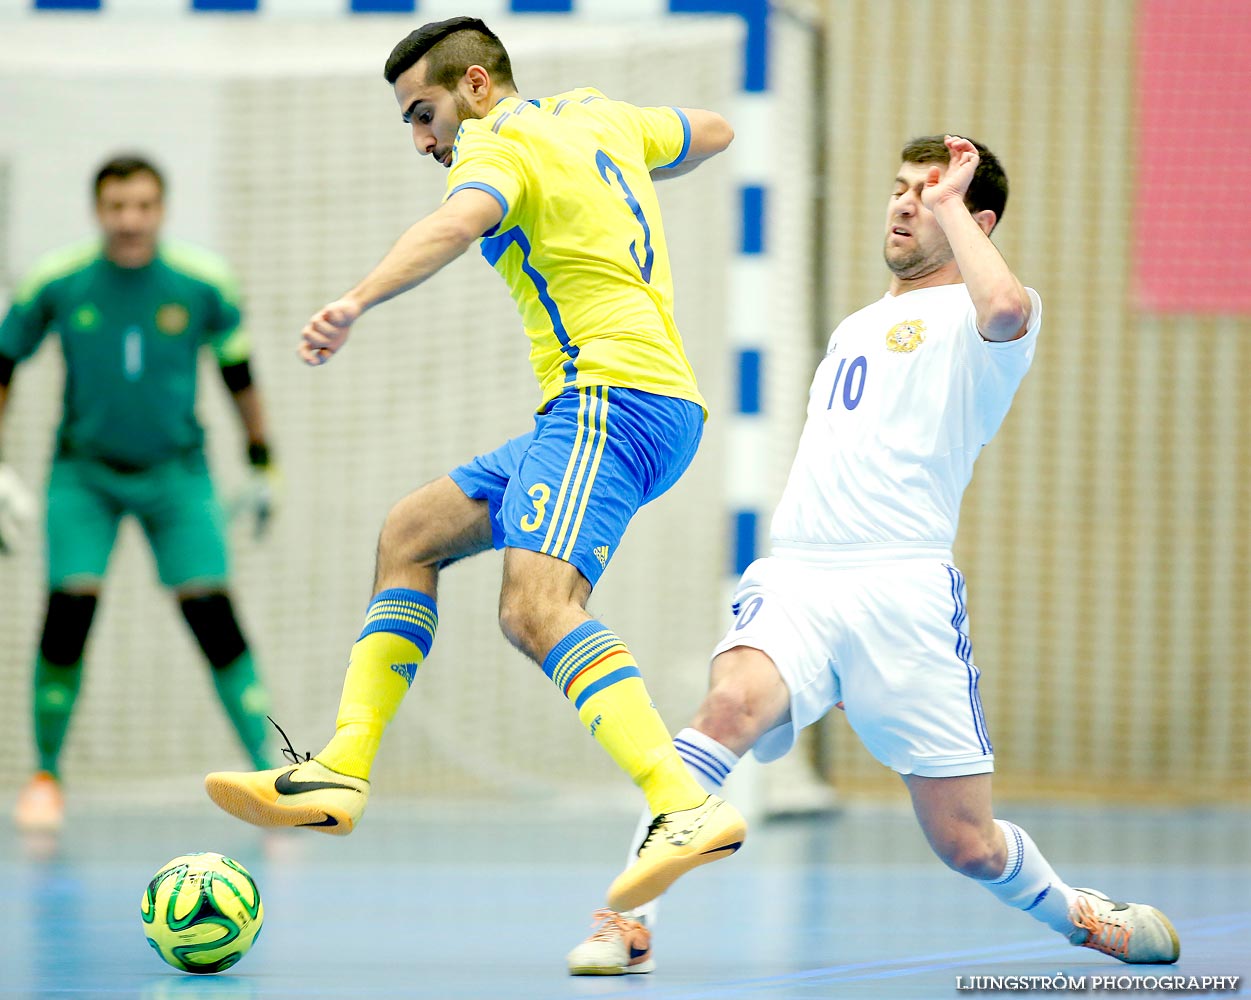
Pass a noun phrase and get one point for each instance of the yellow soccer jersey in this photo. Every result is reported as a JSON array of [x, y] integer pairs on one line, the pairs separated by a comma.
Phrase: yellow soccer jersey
[[581, 244]]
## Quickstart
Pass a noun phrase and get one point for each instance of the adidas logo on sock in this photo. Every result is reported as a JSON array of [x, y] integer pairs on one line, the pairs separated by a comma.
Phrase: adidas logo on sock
[[406, 670]]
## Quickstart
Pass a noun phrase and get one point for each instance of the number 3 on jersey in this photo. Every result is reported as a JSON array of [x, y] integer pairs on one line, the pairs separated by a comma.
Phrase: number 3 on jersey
[[850, 378], [606, 167]]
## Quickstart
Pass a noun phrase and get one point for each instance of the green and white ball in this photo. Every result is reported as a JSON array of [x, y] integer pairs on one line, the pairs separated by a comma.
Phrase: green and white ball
[[202, 912]]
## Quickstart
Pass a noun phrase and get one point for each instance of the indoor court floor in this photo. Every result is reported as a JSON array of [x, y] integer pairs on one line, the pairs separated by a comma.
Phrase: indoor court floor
[[454, 901]]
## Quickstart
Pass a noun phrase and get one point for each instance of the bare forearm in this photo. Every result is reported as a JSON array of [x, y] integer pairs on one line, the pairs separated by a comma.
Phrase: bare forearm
[[1002, 304], [427, 246], [4, 399], [251, 414], [685, 167]]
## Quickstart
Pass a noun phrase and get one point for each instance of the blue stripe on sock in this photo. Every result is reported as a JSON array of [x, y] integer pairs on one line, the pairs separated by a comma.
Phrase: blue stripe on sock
[[1016, 853], [1038, 899], [420, 634], [692, 754], [715, 780], [583, 631], [608, 680]]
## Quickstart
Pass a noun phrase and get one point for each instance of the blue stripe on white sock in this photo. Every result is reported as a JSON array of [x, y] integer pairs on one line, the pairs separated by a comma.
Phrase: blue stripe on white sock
[[702, 759], [1038, 899], [1016, 853]]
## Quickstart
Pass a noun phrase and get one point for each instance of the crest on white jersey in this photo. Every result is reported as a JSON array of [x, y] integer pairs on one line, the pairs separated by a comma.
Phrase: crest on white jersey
[[906, 337]]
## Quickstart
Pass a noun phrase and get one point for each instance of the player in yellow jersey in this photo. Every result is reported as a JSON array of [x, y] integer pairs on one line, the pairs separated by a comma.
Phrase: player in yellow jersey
[[560, 192]]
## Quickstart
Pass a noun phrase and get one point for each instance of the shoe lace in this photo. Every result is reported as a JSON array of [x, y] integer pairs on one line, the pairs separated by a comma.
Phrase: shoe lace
[[652, 830], [676, 836], [289, 751], [609, 924], [1103, 934]]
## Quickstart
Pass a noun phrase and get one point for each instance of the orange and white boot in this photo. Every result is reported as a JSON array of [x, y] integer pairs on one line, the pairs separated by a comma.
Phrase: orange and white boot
[[40, 806]]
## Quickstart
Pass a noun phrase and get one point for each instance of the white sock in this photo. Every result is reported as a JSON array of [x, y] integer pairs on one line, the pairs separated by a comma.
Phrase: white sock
[[710, 763], [1029, 883]]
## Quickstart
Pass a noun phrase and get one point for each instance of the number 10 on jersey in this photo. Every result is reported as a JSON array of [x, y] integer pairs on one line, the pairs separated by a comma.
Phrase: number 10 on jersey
[[850, 378]]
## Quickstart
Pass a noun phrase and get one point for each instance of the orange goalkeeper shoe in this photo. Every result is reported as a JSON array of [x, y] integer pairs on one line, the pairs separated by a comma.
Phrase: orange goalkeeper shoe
[[40, 805], [306, 795]]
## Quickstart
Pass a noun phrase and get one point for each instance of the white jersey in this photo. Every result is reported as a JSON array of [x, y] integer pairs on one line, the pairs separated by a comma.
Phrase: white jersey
[[906, 397]]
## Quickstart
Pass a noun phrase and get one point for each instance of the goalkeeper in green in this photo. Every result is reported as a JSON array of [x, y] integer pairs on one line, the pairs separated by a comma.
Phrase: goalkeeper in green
[[131, 313]]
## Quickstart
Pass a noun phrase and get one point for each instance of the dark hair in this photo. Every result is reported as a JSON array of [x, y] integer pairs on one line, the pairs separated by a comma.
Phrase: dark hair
[[127, 165], [989, 187], [453, 46]]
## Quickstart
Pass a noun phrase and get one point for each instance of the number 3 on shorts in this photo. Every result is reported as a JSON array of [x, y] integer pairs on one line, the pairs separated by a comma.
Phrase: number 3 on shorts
[[539, 492]]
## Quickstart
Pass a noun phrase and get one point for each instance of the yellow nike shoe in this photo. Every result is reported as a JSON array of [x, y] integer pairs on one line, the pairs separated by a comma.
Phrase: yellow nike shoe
[[308, 794], [676, 842]]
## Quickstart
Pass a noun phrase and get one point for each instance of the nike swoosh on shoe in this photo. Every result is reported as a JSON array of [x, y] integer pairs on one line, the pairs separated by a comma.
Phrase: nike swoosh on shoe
[[328, 821], [283, 785], [731, 848]]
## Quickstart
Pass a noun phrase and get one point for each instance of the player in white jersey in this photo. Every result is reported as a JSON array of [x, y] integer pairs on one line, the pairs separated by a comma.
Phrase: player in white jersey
[[860, 605]]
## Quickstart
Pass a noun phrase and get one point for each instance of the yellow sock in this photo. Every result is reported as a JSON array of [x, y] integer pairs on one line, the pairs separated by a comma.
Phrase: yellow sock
[[595, 670], [399, 630]]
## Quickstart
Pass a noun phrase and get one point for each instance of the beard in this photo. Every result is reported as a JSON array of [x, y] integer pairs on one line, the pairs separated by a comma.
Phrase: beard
[[914, 262]]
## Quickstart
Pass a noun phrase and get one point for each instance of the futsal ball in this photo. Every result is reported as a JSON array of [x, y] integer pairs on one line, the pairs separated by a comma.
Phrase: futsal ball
[[202, 912]]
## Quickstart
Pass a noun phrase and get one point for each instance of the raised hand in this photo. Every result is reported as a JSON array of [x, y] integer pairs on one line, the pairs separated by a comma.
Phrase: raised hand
[[327, 331], [940, 185]]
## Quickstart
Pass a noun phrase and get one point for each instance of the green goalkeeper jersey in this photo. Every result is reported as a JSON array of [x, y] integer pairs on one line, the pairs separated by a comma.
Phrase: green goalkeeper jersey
[[131, 338]]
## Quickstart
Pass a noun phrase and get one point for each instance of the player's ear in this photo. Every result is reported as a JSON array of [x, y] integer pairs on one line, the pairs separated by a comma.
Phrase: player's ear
[[478, 81], [986, 219]]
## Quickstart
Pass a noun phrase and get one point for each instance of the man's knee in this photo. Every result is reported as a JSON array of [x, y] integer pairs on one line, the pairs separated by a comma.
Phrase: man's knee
[[522, 613], [212, 620], [433, 525], [407, 532], [746, 698], [65, 627], [972, 852]]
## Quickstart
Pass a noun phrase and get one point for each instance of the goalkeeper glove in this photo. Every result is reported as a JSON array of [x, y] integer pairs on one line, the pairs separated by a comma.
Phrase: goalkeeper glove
[[17, 508], [258, 497]]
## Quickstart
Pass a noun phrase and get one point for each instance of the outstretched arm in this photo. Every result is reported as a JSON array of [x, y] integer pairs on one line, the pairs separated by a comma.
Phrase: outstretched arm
[[1002, 304], [427, 247], [710, 135]]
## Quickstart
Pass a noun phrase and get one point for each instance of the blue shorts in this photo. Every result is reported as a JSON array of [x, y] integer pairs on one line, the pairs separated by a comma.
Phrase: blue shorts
[[596, 455]]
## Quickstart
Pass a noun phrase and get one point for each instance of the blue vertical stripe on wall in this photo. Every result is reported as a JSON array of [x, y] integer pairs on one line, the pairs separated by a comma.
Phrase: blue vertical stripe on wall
[[744, 540], [749, 363], [756, 15], [753, 204]]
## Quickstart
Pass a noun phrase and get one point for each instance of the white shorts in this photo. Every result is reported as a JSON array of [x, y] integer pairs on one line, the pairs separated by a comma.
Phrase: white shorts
[[883, 634]]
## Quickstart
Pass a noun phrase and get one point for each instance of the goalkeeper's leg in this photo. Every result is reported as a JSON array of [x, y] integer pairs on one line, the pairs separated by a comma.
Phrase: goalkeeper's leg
[[212, 620], [58, 675]]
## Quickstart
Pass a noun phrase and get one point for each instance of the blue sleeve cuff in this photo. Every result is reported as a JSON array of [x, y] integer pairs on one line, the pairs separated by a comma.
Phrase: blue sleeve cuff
[[480, 186], [686, 139]]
